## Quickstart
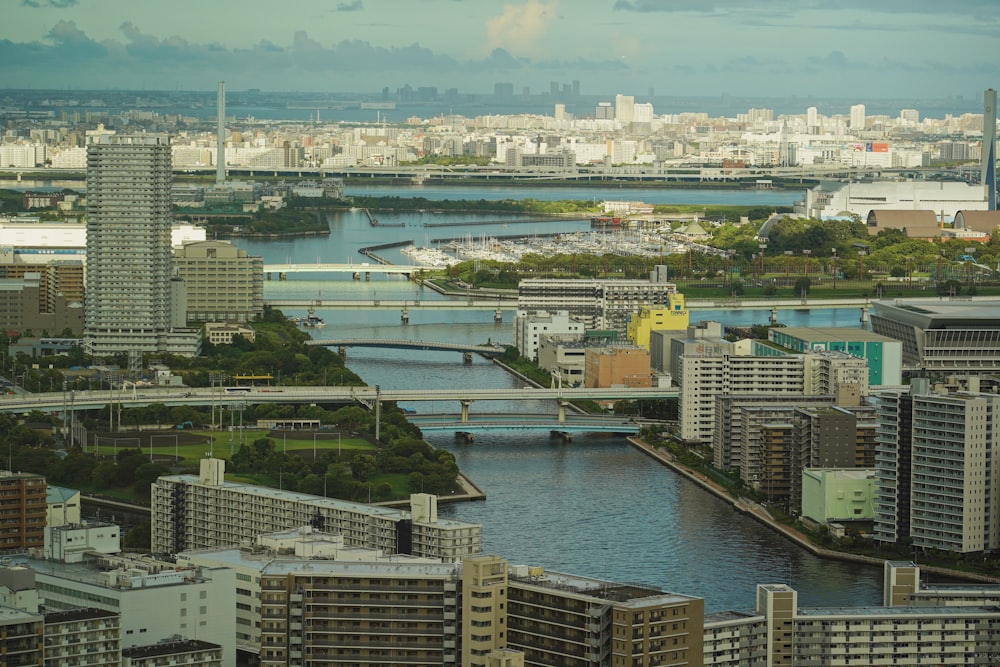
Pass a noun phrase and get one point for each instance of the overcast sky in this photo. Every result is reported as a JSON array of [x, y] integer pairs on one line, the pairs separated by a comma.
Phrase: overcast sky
[[862, 49]]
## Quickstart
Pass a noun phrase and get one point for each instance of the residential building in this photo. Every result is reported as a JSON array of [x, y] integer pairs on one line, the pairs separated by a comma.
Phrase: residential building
[[129, 272], [23, 509], [205, 511], [530, 325], [943, 336], [26, 306], [22, 637], [703, 376], [883, 353], [839, 374], [181, 653], [222, 282], [320, 563], [893, 462], [598, 304], [562, 619], [485, 616], [85, 636]]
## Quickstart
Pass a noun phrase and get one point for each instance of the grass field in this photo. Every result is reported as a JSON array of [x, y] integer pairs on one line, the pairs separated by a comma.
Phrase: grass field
[[186, 448]]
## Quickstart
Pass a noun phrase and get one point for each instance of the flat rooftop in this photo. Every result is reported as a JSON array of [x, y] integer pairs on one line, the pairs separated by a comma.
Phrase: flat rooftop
[[824, 334], [945, 313], [357, 561], [602, 590]]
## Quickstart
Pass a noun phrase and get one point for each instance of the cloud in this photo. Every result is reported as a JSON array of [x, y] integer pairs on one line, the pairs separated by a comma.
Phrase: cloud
[[58, 4], [520, 28], [355, 6]]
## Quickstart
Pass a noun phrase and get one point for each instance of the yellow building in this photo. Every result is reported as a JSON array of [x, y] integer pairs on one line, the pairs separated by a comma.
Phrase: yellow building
[[672, 318]]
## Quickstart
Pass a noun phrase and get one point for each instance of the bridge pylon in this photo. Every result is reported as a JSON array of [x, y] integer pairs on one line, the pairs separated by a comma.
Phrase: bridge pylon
[[562, 410], [465, 410]]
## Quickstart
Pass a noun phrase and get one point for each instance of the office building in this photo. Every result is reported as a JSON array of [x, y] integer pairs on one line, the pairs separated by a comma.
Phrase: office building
[[838, 495], [618, 365], [129, 271], [205, 511], [624, 108], [222, 283], [23, 510], [529, 326], [943, 336], [673, 317], [156, 600], [564, 357]]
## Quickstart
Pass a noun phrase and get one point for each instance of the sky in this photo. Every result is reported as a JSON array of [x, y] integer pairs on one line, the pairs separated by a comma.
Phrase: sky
[[861, 49]]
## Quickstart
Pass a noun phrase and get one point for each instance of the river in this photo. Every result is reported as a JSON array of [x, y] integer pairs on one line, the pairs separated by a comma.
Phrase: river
[[593, 507]]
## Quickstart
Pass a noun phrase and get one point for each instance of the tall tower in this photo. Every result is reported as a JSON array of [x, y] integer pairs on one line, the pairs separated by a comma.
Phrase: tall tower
[[127, 302], [990, 147], [858, 117], [220, 139]]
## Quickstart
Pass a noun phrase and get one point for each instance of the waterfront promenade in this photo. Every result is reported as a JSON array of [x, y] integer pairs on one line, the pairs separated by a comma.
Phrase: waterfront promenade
[[760, 514]]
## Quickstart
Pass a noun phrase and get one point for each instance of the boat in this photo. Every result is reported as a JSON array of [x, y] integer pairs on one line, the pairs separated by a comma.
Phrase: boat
[[312, 320]]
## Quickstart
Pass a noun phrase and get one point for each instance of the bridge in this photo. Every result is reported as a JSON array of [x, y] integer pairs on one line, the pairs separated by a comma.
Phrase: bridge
[[395, 304], [574, 423], [403, 269], [370, 396], [402, 344]]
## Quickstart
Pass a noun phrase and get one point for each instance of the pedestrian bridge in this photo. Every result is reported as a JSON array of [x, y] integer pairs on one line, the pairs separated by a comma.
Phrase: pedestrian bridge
[[403, 344]]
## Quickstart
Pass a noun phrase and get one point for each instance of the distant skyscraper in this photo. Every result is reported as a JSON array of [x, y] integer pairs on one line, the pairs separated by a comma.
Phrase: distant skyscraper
[[812, 117], [128, 285], [624, 108], [858, 117], [220, 148], [989, 176]]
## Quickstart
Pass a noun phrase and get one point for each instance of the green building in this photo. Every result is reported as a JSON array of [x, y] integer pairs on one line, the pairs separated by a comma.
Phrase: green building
[[883, 354]]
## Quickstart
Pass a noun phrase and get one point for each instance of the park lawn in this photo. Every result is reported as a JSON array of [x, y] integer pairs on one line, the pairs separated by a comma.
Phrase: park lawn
[[222, 444]]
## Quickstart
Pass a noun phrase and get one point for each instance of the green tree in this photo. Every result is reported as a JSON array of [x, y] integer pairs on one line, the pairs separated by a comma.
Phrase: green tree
[[803, 285]]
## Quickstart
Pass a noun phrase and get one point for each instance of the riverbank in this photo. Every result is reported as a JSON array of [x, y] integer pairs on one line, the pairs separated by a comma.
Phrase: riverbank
[[761, 515]]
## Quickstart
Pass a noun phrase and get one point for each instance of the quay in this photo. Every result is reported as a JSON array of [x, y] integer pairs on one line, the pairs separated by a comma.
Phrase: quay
[[760, 514]]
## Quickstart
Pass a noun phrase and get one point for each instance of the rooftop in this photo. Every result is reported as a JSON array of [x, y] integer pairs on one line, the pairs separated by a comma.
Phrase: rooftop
[[824, 334], [602, 590], [169, 648]]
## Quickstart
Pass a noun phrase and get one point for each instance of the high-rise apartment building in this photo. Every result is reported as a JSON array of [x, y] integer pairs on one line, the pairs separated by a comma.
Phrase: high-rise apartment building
[[857, 121], [129, 267], [624, 108]]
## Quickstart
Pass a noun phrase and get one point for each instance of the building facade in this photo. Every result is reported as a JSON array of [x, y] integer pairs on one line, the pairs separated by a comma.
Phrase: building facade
[[23, 511], [205, 511], [129, 269], [221, 281]]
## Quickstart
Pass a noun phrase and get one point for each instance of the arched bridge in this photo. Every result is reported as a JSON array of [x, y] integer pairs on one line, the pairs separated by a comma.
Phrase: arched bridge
[[402, 344]]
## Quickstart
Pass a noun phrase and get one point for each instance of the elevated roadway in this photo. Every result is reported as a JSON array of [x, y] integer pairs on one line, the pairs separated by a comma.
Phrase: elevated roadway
[[511, 304], [143, 396], [520, 422]]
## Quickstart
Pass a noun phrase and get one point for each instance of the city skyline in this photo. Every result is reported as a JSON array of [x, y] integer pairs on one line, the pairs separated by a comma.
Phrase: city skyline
[[631, 46]]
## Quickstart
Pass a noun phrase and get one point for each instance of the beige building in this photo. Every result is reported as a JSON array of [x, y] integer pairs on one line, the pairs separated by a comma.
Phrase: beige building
[[221, 333], [617, 365], [26, 305], [205, 511], [222, 282]]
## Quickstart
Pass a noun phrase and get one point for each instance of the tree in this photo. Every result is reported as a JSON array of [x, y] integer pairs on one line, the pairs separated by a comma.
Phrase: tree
[[802, 285], [363, 467]]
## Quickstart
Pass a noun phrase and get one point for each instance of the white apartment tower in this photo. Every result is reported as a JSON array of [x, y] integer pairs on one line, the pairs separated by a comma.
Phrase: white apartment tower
[[129, 264], [858, 117]]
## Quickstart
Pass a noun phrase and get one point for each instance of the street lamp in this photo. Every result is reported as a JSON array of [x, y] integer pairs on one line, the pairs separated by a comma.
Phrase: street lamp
[[763, 247], [861, 264], [968, 263], [788, 259], [834, 268], [807, 252]]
